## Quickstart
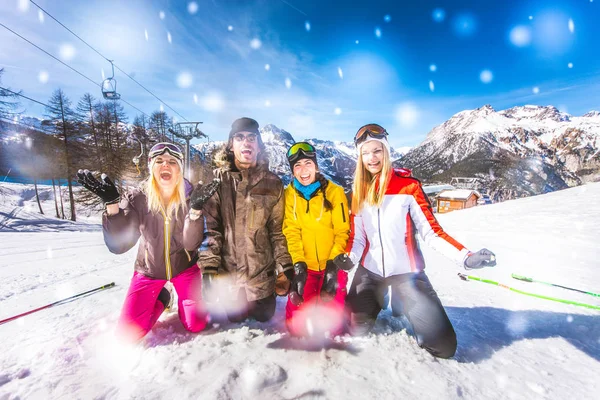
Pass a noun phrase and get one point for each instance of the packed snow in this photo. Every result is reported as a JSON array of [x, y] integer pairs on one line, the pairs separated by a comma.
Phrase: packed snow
[[509, 345]]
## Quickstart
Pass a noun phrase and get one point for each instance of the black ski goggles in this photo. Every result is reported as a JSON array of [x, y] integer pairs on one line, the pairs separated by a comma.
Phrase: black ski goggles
[[373, 130], [301, 149], [163, 147]]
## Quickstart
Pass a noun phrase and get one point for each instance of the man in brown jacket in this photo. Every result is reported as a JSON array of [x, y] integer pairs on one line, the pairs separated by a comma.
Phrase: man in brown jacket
[[244, 244]]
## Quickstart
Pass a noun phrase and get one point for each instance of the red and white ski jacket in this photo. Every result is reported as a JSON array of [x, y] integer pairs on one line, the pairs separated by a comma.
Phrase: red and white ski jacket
[[383, 239]]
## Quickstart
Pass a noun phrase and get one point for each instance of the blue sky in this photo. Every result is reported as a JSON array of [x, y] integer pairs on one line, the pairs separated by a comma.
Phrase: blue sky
[[332, 65]]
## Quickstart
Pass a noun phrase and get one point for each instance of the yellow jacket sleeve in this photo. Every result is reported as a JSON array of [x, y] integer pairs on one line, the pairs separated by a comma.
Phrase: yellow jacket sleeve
[[292, 228], [341, 221]]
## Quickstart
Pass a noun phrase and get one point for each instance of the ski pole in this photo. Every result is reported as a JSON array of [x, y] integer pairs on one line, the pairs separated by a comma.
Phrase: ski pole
[[109, 285], [526, 279], [539, 296]]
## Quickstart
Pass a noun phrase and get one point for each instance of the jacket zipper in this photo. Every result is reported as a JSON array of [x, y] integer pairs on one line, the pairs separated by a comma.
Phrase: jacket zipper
[[380, 241], [167, 248], [317, 254], [343, 212]]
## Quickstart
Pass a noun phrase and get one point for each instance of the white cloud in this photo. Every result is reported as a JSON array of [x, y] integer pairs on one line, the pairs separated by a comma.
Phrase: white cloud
[[213, 102]]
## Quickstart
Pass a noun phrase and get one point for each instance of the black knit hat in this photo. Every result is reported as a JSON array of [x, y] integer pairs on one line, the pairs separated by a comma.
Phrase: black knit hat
[[244, 125]]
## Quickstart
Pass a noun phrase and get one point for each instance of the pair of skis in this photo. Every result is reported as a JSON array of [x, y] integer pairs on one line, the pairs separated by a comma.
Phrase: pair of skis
[[539, 296]]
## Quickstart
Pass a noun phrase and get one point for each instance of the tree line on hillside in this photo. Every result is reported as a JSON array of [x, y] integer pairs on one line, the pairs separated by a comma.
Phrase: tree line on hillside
[[91, 134]]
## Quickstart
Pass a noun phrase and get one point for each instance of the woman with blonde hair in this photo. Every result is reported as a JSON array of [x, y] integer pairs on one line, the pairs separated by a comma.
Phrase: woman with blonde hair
[[389, 208], [161, 213]]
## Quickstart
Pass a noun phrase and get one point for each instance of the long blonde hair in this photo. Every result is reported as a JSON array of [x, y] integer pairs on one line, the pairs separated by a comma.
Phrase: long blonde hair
[[370, 188], [155, 204]]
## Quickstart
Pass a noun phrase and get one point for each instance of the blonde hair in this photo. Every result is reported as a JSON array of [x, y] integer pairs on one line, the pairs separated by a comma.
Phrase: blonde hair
[[155, 204], [370, 188]]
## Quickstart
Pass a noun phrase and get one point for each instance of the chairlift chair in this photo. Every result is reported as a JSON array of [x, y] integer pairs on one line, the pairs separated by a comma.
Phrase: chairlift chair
[[109, 86]]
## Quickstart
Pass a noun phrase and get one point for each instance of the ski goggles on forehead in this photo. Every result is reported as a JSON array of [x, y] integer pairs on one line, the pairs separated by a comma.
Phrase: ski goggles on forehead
[[301, 148], [161, 148], [373, 130]]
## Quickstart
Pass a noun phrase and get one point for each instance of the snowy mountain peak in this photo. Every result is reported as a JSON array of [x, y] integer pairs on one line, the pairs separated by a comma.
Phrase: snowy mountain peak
[[592, 114], [272, 134], [534, 112]]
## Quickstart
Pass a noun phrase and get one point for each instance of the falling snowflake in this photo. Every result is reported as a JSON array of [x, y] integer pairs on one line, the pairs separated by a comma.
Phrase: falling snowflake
[[213, 102], [43, 76], [146, 34], [387, 18], [536, 90], [162, 108], [571, 25], [407, 114], [531, 17], [356, 41], [520, 36], [431, 86], [267, 67], [192, 7], [378, 32], [23, 5], [267, 103], [230, 28], [161, 14], [41, 16], [433, 67], [307, 26], [486, 76], [66, 51], [288, 83], [340, 73], [195, 98], [438, 15], [169, 38], [337, 111], [569, 318], [465, 24], [255, 43], [185, 80], [570, 65], [102, 73]]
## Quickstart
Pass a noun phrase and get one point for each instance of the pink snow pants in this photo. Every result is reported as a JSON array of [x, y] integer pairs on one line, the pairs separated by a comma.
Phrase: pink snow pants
[[142, 307], [316, 315]]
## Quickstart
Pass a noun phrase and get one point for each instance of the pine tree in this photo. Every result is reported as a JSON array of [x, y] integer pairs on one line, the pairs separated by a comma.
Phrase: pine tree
[[160, 124], [61, 119]]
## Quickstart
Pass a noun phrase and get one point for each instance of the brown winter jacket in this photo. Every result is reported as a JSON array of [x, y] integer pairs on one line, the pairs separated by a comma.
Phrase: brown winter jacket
[[244, 237], [134, 220]]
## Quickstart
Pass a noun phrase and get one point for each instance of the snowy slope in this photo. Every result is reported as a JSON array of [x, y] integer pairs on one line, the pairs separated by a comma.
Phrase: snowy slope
[[510, 346]]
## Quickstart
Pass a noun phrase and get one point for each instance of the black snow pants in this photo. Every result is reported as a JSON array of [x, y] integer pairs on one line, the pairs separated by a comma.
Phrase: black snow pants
[[412, 296], [261, 310]]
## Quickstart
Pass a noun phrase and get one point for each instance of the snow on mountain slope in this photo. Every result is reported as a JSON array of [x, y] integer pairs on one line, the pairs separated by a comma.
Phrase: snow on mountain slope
[[510, 345]]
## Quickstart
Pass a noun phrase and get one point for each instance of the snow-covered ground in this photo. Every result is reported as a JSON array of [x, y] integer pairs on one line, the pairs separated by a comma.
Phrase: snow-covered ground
[[511, 346]]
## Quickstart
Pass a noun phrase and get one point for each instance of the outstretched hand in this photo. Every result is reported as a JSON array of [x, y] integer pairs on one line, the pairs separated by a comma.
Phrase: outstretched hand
[[103, 188], [202, 193], [480, 259]]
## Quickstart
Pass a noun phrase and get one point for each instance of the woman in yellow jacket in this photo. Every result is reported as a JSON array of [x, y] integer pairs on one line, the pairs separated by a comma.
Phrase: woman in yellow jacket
[[316, 226]]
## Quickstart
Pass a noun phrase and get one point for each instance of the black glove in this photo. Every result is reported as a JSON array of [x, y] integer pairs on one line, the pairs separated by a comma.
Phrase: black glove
[[297, 288], [343, 262], [104, 188], [330, 281], [209, 275], [483, 258], [202, 193]]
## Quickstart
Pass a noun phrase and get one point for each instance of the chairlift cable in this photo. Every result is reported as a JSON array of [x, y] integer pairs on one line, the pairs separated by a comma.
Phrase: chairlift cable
[[101, 55], [66, 65]]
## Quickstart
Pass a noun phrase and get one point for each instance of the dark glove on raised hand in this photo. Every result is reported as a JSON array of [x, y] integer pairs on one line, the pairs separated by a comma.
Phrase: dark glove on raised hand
[[297, 288], [104, 188], [480, 259], [202, 193], [330, 281], [209, 294], [343, 262]]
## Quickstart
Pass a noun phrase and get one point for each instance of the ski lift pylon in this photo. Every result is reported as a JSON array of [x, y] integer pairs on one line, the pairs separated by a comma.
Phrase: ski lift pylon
[[109, 86]]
